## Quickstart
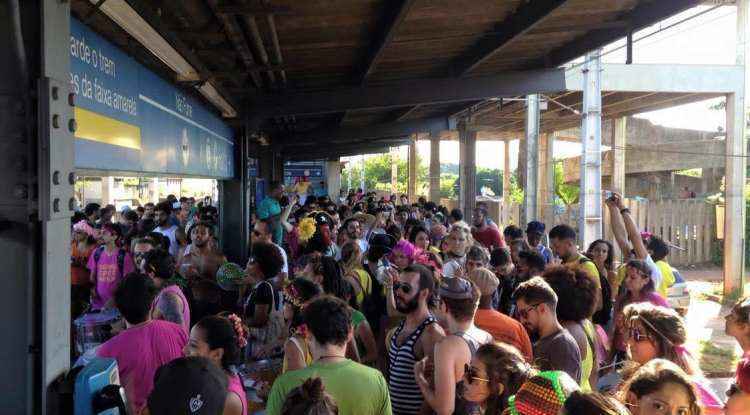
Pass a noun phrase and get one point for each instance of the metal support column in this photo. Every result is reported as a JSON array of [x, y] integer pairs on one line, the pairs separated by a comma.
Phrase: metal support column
[[394, 170], [590, 218], [435, 167], [411, 188], [734, 217], [506, 181], [36, 147], [467, 143], [547, 179], [529, 209], [619, 141], [234, 206]]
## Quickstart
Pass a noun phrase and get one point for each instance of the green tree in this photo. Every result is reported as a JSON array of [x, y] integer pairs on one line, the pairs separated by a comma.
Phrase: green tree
[[567, 193], [378, 173]]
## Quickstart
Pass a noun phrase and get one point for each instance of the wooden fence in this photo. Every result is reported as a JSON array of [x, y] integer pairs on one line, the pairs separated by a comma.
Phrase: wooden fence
[[688, 224]]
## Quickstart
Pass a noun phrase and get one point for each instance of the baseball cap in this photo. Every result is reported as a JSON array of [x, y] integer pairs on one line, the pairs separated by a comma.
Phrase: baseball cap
[[485, 280], [188, 385], [535, 226], [456, 289]]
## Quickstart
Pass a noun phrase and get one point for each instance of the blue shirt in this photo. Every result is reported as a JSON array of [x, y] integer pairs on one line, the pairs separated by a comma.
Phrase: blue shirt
[[269, 208], [545, 252]]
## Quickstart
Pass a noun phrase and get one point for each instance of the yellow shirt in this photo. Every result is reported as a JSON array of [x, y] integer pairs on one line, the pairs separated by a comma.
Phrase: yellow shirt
[[667, 277], [586, 265]]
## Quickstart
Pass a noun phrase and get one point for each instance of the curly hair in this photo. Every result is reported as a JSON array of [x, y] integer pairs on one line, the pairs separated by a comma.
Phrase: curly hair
[[576, 293], [652, 376], [298, 293], [506, 367], [269, 259]]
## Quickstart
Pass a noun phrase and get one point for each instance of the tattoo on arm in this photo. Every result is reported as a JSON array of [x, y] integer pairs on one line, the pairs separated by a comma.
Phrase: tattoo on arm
[[170, 308]]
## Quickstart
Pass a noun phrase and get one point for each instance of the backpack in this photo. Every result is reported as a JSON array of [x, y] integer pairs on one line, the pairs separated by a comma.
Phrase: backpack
[[120, 259]]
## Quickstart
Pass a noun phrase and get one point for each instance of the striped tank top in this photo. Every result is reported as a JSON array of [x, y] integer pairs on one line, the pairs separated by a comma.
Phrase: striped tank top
[[406, 398]]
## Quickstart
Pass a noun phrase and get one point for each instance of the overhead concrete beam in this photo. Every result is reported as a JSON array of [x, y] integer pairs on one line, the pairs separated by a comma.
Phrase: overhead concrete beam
[[662, 78], [406, 93]]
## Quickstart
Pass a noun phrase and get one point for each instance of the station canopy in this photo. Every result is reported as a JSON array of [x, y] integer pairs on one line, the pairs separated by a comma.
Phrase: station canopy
[[339, 77]]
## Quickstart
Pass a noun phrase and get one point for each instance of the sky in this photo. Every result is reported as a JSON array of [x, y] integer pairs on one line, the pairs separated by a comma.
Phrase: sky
[[708, 38]]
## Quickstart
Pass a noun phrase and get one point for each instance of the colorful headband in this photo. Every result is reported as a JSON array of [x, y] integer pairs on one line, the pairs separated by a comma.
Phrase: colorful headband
[[292, 295]]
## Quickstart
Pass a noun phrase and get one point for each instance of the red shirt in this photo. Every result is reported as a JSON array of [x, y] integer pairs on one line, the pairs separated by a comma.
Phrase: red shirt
[[505, 330], [490, 237]]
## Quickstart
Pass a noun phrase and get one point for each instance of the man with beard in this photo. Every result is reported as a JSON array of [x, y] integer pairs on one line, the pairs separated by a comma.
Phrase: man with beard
[[413, 339], [484, 233], [556, 349], [200, 261], [165, 227], [353, 230], [263, 232]]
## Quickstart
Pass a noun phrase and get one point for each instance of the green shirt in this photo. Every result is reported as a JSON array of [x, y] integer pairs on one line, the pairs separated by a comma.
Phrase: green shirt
[[366, 395], [357, 318]]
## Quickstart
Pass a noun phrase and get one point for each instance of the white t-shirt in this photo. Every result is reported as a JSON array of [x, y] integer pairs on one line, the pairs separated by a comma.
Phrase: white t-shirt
[[655, 272], [452, 266], [285, 267], [169, 233]]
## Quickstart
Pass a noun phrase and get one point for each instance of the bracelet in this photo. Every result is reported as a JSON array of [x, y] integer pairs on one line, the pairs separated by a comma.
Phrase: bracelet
[[624, 211]]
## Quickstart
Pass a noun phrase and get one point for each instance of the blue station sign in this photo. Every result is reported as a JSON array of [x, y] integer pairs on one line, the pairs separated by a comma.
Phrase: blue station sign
[[131, 120]]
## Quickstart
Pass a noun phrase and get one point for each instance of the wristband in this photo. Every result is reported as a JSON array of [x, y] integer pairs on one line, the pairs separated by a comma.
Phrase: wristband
[[624, 211]]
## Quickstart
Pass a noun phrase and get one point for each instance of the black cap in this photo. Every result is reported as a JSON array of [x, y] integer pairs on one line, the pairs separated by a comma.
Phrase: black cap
[[383, 241], [188, 385], [535, 226]]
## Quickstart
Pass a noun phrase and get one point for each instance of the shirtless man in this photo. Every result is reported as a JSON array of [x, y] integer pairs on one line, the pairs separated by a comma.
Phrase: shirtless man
[[200, 260]]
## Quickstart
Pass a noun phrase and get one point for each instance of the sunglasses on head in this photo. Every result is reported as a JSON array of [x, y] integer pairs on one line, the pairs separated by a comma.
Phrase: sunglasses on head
[[470, 374], [404, 287]]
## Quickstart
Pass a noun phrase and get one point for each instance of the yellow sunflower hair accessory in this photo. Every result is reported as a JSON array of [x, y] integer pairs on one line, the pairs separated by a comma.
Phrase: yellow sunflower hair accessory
[[306, 229]]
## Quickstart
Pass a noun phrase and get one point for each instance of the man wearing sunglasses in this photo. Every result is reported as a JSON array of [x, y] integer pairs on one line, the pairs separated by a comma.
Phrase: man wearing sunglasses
[[413, 339], [263, 232], [536, 309]]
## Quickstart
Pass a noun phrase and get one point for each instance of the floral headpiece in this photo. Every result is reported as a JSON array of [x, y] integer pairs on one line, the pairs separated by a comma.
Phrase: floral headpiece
[[292, 295], [239, 330], [306, 229]]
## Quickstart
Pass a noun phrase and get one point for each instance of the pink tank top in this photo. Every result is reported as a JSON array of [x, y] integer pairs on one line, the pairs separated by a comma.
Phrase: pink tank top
[[174, 289], [235, 386]]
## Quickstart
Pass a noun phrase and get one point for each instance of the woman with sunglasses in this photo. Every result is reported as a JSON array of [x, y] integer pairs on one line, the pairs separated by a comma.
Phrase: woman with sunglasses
[[495, 373], [660, 388], [639, 288], [660, 333]]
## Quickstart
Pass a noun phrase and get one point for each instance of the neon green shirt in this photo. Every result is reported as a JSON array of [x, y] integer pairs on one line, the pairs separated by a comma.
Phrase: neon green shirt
[[356, 389]]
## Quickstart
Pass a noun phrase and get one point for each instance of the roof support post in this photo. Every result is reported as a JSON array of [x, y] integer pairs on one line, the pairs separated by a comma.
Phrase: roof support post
[[546, 179], [506, 182], [529, 209], [394, 170], [411, 188], [734, 217], [590, 202], [619, 141], [467, 154], [333, 179], [435, 167]]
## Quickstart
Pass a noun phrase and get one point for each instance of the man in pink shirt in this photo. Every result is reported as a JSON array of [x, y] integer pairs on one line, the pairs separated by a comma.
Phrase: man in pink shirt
[[145, 344], [108, 265]]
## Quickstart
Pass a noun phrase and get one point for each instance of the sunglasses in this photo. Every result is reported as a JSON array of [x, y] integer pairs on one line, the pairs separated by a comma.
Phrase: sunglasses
[[636, 335], [525, 312], [470, 374], [404, 287]]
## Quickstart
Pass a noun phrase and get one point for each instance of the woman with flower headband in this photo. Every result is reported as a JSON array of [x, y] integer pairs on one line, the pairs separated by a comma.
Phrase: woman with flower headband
[[660, 333], [221, 339], [297, 294]]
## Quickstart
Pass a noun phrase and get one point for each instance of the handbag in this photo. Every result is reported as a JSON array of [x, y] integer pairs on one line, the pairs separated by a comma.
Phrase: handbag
[[271, 336]]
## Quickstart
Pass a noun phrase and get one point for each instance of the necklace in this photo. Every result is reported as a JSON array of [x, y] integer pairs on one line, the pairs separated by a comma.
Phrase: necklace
[[331, 356]]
